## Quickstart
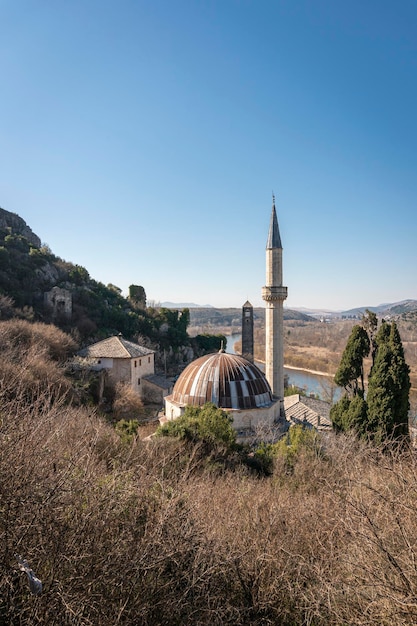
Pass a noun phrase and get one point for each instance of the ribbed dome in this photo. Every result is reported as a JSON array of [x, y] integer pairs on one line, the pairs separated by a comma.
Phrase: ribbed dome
[[228, 380]]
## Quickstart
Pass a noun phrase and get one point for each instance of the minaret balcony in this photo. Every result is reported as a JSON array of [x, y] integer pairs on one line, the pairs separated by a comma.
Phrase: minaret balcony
[[274, 294]]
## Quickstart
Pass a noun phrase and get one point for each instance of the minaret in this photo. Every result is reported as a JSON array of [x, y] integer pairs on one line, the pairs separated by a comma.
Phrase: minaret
[[274, 295], [247, 331]]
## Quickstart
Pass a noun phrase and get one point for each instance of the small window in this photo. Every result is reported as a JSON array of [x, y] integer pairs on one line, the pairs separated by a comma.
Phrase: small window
[[149, 359], [136, 363], [140, 362], [99, 361], [138, 382]]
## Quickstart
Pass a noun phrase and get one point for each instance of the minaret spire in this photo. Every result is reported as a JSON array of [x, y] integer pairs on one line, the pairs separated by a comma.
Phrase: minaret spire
[[274, 238], [274, 294]]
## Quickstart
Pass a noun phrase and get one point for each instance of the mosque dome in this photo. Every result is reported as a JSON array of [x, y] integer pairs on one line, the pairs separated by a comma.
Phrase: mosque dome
[[228, 380]]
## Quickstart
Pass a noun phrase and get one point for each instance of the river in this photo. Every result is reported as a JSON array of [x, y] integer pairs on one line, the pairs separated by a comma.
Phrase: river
[[311, 383]]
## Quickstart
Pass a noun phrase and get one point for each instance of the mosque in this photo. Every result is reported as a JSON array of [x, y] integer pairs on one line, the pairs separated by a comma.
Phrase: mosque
[[232, 382]]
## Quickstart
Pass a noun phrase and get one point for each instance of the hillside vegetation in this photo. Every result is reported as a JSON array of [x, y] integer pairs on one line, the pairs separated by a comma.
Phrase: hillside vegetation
[[29, 269], [123, 531]]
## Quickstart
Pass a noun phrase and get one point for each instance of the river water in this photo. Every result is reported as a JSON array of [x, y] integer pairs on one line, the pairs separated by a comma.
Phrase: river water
[[310, 383]]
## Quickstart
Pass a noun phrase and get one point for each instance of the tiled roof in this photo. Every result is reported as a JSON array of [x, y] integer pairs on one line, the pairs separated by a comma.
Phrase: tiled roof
[[115, 348], [159, 381], [301, 410]]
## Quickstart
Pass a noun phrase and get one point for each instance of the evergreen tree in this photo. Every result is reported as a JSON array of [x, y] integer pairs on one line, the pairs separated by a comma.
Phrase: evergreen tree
[[350, 414], [389, 386], [370, 324], [401, 376], [351, 364], [384, 412]]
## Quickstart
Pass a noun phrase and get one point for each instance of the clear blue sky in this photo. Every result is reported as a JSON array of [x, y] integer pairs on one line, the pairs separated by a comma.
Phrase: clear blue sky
[[142, 139]]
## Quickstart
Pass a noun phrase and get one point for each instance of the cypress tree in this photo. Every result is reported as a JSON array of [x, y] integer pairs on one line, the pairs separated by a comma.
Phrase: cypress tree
[[349, 414], [351, 364], [384, 412], [389, 386], [380, 397]]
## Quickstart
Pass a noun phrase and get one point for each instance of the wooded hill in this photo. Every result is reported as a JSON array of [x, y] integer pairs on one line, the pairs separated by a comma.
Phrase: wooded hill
[[210, 316], [29, 269]]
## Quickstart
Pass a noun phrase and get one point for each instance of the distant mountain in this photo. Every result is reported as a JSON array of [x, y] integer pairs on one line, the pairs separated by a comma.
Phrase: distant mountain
[[232, 316], [184, 305], [394, 308], [317, 313], [387, 308]]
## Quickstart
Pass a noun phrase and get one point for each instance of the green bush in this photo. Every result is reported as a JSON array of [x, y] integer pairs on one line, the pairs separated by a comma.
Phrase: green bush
[[298, 439], [207, 423], [127, 430]]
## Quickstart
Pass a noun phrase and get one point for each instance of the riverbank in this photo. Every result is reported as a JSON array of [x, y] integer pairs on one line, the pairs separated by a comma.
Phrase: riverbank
[[301, 369], [308, 371], [236, 338]]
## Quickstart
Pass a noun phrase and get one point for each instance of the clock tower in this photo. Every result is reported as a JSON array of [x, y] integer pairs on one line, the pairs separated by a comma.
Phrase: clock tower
[[247, 331]]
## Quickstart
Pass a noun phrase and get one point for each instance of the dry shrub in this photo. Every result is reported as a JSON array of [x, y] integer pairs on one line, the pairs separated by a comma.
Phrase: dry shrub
[[31, 377], [126, 404], [143, 536], [22, 335], [148, 534], [32, 363]]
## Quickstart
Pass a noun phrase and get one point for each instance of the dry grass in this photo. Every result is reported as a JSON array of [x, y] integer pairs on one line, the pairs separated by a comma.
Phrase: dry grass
[[153, 533]]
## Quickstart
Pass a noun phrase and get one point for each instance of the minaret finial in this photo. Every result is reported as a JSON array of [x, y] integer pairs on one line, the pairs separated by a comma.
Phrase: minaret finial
[[274, 238]]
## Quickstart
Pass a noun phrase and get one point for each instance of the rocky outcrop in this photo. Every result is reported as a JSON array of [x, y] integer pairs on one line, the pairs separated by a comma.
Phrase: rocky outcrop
[[48, 273], [18, 226]]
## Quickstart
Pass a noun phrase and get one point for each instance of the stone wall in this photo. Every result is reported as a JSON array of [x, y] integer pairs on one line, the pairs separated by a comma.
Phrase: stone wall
[[60, 301]]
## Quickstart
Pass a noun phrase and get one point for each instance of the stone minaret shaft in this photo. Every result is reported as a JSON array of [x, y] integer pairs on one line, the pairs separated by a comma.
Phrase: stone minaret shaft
[[274, 294]]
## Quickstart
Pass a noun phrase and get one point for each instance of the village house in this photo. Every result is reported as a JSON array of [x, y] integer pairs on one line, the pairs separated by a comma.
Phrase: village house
[[130, 363]]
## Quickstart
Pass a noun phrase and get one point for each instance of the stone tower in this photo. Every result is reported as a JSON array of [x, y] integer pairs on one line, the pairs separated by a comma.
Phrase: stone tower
[[247, 331], [274, 294]]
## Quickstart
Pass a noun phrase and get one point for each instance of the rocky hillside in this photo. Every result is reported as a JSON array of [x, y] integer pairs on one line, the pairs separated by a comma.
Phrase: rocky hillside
[[92, 310], [13, 224], [37, 285]]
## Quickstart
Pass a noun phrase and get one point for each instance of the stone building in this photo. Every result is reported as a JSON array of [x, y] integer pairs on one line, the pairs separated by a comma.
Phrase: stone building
[[247, 331], [130, 363], [59, 301], [234, 383]]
